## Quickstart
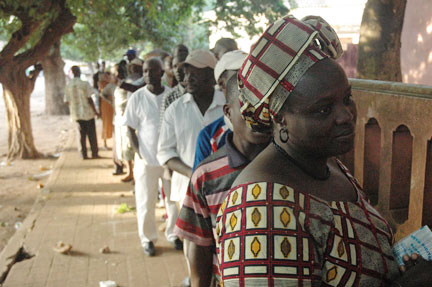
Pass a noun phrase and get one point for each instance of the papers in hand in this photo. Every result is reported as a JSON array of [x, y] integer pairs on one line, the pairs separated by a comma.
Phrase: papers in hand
[[419, 242]]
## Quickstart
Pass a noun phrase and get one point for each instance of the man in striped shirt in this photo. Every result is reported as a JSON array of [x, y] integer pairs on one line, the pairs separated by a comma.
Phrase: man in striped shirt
[[209, 184]]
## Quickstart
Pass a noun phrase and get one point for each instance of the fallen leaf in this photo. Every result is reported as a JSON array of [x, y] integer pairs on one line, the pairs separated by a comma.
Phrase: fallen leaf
[[124, 207], [105, 250], [62, 248]]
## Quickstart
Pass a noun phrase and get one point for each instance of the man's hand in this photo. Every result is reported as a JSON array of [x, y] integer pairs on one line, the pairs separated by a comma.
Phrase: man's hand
[[409, 261], [134, 141], [419, 274], [201, 263], [176, 164]]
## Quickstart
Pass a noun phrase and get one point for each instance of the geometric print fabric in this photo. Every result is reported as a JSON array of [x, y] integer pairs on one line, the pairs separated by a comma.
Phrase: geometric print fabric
[[281, 237], [283, 53]]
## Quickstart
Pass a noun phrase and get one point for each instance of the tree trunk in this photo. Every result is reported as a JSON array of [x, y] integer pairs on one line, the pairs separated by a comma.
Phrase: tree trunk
[[380, 40], [17, 88], [55, 82]]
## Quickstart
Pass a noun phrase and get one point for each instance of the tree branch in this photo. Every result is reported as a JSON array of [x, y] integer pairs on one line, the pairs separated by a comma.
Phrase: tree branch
[[28, 26], [61, 25], [18, 40]]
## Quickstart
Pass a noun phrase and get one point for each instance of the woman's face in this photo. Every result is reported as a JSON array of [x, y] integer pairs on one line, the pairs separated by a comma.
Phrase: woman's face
[[320, 114]]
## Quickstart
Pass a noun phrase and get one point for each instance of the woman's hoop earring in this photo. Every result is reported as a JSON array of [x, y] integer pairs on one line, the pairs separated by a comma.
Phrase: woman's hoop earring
[[283, 135]]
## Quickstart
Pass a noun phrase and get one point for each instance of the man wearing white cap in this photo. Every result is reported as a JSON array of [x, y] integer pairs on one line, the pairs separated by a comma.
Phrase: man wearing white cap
[[213, 136], [186, 117]]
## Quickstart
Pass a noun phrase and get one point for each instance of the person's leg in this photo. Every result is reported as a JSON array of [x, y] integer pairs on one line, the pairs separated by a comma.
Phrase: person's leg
[[146, 184], [172, 211], [127, 152], [81, 131], [130, 164], [93, 138], [118, 164]]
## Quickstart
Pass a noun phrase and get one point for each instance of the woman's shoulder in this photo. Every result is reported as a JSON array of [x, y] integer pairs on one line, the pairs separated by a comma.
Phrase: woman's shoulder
[[259, 170]]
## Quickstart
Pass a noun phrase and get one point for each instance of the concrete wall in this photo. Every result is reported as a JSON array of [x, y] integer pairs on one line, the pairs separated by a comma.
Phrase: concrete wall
[[393, 140], [416, 50]]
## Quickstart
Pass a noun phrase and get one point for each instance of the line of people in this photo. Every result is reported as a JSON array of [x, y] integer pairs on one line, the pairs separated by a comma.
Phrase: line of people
[[246, 145]]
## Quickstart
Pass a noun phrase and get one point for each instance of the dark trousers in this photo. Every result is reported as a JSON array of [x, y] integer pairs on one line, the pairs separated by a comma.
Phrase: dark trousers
[[87, 129]]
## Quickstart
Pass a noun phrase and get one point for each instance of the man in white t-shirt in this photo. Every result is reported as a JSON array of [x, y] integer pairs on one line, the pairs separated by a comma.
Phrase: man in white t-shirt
[[143, 121]]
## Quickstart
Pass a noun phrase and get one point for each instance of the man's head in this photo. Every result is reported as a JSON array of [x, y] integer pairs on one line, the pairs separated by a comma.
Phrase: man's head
[[181, 50], [131, 54], [227, 66], [76, 71], [198, 68], [223, 46], [178, 69], [136, 66], [232, 112], [153, 71]]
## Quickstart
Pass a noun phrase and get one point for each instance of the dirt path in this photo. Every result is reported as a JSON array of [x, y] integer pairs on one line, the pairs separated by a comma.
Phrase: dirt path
[[17, 191]]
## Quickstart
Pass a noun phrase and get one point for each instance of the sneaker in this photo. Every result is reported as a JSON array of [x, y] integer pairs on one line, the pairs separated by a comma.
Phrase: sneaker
[[149, 249], [178, 244], [118, 170], [186, 282]]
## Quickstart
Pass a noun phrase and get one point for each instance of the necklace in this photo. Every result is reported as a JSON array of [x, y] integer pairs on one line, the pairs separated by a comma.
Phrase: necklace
[[291, 159]]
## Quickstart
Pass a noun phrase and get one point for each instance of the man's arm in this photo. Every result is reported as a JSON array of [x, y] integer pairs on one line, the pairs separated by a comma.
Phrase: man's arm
[[134, 140], [93, 107], [106, 97], [179, 166], [167, 145], [90, 100], [201, 264], [129, 87], [203, 148]]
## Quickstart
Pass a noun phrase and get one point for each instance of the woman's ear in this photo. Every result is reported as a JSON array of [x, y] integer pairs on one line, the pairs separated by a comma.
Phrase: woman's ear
[[279, 121], [227, 111]]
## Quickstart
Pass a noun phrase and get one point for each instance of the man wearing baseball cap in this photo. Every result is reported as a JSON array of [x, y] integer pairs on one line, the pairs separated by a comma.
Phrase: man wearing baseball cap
[[187, 116], [224, 45], [213, 136], [130, 54]]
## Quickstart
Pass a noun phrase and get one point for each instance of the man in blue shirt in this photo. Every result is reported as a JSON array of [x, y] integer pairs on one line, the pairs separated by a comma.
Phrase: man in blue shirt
[[213, 136]]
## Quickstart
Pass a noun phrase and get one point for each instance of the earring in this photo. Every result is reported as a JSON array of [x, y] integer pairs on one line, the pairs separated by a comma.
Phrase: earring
[[283, 135]]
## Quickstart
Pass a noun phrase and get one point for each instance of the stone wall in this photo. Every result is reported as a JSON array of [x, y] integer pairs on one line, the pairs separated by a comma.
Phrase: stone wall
[[393, 150]]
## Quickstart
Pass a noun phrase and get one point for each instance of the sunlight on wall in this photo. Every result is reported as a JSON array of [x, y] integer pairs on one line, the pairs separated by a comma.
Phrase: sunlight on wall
[[416, 49], [429, 28], [419, 38]]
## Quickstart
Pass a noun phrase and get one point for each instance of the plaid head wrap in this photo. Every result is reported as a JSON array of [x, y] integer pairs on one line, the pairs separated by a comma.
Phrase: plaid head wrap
[[287, 49]]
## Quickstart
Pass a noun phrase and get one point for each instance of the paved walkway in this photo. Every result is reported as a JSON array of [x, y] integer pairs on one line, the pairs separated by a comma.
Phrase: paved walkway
[[80, 209]]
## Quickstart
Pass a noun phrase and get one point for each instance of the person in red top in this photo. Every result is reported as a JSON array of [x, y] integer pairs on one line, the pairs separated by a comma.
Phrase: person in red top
[[295, 216], [209, 184]]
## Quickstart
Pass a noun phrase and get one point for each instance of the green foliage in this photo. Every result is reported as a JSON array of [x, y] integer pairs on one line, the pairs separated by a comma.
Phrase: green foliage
[[237, 13], [13, 12], [105, 28]]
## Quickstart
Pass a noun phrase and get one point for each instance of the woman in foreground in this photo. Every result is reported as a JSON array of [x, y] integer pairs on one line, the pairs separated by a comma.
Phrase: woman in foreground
[[295, 216]]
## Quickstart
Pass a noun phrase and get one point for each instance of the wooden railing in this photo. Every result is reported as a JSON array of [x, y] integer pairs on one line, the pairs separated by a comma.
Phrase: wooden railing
[[392, 155]]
